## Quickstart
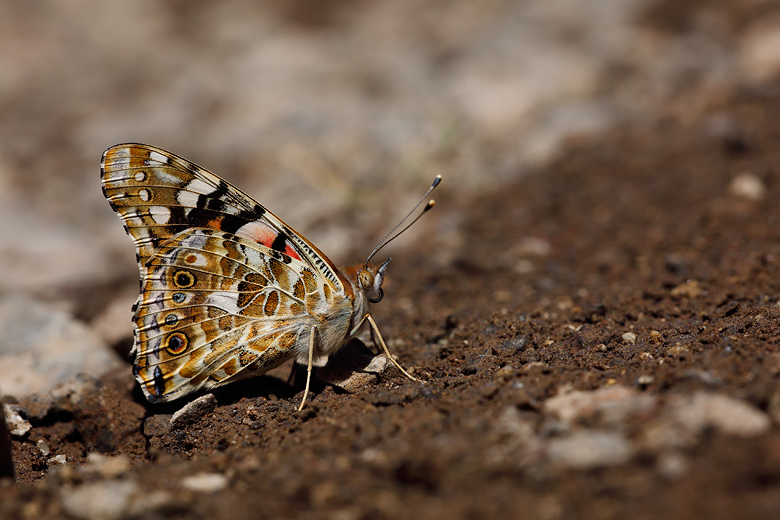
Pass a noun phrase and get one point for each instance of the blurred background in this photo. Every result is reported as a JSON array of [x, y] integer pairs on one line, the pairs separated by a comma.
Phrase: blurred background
[[336, 115]]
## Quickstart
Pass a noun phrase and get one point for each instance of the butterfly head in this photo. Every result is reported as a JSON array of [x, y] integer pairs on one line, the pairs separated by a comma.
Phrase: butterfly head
[[370, 281]]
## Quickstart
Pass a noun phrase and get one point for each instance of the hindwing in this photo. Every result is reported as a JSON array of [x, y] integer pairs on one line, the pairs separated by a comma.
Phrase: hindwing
[[215, 307]]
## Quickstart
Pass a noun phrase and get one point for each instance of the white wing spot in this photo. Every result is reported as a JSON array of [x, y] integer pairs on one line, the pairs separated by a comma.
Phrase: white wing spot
[[227, 301], [143, 195], [188, 199], [200, 186], [140, 176], [156, 156], [120, 163], [160, 214]]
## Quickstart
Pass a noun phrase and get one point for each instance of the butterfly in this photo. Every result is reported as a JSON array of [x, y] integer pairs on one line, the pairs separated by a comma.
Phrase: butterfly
[[228, 289]]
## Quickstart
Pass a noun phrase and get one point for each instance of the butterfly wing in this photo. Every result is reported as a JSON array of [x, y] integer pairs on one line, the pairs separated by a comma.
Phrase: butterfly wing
[[228, 290], [158, 194], [215, 308]]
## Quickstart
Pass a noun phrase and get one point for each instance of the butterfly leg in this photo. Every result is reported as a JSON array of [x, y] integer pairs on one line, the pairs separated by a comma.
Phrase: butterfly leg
[[308, 368], [377, 336]]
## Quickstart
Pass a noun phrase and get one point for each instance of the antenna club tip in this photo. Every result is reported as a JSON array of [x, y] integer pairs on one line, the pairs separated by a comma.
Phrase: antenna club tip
[[436, 181]]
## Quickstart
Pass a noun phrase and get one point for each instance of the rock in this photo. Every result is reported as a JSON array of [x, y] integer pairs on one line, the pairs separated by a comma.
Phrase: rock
[[103, 500], [43, 447], [367, 377], [105, 466], [37, 406], [686, 416], [730, 416], [59, 459], [61, 399], [205, 482], [747, 186], [645, 380], [192, 411], [629, 338], [589, 449], [17, 426], [352, 368], [611, 405], [42, 346], [514, 345]]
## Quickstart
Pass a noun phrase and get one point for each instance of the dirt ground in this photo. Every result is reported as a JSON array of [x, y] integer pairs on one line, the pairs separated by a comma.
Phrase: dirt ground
[[636, 261]]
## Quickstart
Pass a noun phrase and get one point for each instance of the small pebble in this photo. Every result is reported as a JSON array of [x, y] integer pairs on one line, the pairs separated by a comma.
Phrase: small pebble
[[205, 482], [43, 447], [105, 465], [645, 380], [17, 426], [629, 338], [748, 186], [612, 404], [59, 459], [192, 411], [590, 449], [105, 500]]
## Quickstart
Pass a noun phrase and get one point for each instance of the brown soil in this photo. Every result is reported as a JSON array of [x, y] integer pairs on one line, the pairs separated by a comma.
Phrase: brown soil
[[644, 236]]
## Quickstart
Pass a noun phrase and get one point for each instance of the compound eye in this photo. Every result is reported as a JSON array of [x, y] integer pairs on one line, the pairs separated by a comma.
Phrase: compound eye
[[366, 280]]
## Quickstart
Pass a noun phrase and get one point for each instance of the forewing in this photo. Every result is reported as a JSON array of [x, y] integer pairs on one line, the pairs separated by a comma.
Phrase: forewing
[[158, 194], [215, 307]]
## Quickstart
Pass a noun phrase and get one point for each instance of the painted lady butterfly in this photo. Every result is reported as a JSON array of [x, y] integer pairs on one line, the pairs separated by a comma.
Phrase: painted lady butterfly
[[228, 290]]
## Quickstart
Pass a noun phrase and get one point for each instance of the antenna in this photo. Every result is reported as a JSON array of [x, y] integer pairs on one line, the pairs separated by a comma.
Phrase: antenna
[[382, 243]]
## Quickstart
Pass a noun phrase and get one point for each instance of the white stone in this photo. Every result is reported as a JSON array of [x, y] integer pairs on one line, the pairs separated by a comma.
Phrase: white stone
[[43, 447], [747, 186], [41, 347], [17, 426], [105, 465], [685, 417], [611, 404], [726, 414], [105, 500], [590, 449], [205, 482]]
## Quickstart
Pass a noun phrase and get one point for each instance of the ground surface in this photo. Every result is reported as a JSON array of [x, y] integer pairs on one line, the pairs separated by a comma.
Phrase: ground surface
[[635, 270]]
